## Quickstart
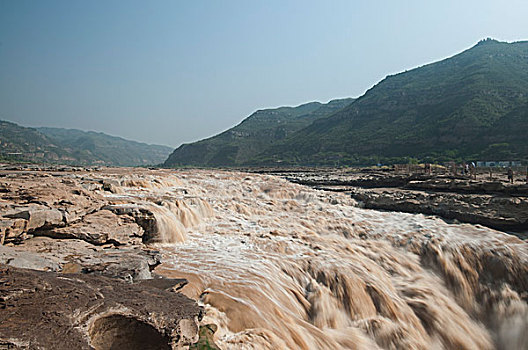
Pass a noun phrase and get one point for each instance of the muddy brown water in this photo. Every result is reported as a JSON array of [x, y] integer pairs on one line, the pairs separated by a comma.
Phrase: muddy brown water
[[282, 266]]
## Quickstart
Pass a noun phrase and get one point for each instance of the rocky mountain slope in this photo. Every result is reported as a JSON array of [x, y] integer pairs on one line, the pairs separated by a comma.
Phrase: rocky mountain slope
[[472, 105], [254, 134], [70, 146], [20, 143], [97, 147]]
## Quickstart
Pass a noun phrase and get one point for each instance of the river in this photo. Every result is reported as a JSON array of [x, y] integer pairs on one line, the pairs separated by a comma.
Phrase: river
[[281, 266]]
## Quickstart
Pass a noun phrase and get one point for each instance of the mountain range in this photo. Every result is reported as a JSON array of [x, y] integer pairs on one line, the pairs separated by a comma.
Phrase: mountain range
[[473, 105], [257, 132], [71, 146]]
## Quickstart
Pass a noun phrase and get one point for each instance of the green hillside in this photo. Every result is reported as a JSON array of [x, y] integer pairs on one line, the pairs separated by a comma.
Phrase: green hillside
[[470, 106], [69, 146], [18, 143], [254, 134], [90, 147]]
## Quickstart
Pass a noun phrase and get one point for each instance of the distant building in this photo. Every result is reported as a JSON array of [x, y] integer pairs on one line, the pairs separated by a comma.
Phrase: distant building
[[501, 164]]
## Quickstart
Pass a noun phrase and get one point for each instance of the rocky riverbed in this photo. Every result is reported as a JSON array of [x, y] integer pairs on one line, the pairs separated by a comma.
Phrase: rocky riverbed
[[139, 259], [77, 258], [492, 202]]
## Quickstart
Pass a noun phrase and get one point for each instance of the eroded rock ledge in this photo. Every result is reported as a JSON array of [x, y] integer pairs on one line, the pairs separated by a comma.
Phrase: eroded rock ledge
[[117, 207], [79, 311], [498, 212], [77, 260], [491, 202]]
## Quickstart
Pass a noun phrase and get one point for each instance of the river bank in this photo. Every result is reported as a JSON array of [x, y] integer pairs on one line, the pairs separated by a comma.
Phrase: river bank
[[493, 202], [77, 256]]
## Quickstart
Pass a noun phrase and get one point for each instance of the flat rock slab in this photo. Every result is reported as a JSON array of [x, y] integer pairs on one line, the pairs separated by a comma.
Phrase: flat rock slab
[[27, 260], [38, 218], [46, 310], [99, 228]]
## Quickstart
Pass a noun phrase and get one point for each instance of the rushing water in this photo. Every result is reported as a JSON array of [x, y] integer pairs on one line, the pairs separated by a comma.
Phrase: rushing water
[[281, 266]]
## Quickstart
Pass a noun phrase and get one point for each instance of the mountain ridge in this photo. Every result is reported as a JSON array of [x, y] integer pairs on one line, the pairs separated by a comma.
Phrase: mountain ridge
[[436, 112], [75, 147], [262, 128]]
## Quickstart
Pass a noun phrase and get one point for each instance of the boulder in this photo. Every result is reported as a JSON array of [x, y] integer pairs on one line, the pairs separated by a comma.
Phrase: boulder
[[131, 265], [112, 185], [101, 227], [155, 221], [12, 230], [38, 218]]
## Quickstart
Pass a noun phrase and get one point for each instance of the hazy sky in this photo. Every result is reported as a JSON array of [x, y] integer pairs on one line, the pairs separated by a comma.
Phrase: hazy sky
[[169, 72]]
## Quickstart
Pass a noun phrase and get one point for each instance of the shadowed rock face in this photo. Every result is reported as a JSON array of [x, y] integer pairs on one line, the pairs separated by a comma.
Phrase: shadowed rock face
[[123, 332], [75, 311]]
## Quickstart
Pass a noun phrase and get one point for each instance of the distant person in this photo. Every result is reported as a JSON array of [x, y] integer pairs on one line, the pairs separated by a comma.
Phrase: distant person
[[473, 170], [527, 176], [466, 168], [510, 175]]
